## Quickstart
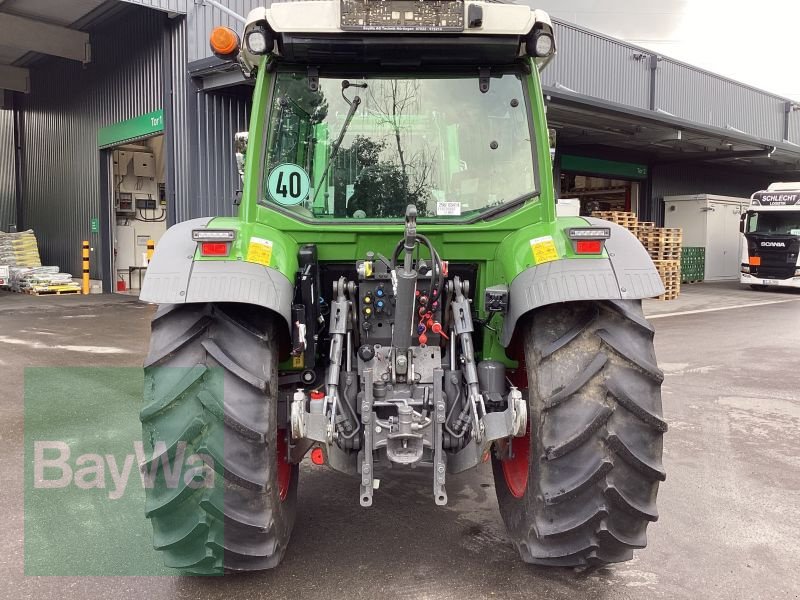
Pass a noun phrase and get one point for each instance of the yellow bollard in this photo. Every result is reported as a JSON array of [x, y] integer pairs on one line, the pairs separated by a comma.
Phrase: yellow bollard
[[85, 267], [151, 247]]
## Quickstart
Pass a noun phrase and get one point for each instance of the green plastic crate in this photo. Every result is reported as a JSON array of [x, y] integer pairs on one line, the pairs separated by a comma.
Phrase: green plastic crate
[[693, 264]]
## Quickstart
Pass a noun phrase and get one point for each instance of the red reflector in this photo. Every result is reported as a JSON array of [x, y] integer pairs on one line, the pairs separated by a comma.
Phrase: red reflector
[[318, 456], [589, 246], [213, 249]]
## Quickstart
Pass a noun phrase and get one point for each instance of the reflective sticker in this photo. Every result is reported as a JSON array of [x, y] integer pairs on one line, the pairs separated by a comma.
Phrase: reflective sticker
[[288, 184], [544, 249], [259, 251], [448, 209]]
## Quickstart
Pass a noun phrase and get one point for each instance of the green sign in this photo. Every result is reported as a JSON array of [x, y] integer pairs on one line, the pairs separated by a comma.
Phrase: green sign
[[132, 129], [95, 225], [606, 168]]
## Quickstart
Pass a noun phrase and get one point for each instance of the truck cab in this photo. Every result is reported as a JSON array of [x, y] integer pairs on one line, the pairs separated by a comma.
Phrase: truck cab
[[771, 227]]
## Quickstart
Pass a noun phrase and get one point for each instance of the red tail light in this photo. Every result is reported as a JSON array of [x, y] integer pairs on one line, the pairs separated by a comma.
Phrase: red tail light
[[318, 456], [589, 246], [214, 249]]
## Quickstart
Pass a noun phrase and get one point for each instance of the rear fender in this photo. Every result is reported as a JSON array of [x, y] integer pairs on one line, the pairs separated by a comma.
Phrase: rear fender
[[627, 273], [177, 276]]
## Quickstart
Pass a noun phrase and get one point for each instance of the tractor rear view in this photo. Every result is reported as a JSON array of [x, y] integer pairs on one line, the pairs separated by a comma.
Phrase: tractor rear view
[[397, 291]]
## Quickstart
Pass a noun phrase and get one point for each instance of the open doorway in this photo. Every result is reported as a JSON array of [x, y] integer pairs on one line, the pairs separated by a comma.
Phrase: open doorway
[[138, 209], [601, 194]]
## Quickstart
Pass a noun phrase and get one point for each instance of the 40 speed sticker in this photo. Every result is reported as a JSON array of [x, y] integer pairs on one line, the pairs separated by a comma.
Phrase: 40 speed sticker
[[288, 184]]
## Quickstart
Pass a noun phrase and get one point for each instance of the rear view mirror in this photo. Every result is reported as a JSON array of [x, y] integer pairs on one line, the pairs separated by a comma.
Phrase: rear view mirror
[[240, 149], [742, 220]]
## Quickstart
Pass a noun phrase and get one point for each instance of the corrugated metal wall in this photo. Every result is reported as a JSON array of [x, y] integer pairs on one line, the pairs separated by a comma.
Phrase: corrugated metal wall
[[598, 66], [678, 180], [794, 127], [178, 123], [203, 18], [67, 105], [203, 126], [221, 115], [699, 96], [176, 6], [8, 203]]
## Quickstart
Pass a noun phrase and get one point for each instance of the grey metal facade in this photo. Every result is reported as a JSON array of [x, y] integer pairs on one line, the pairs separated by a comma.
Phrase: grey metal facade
[[220, 116], [174, 6], [8, 201], [593, 65], [68, 103], [677, 180], [201, 126], [597, 66], [699, 96], [141, 66], [202, 18]]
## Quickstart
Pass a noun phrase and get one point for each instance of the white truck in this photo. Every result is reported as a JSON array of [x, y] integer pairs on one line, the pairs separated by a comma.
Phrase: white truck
[[771, 227]]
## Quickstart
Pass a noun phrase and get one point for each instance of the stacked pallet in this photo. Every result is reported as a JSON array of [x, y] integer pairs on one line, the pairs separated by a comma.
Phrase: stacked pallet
[[627, 220], [670, 273], [662, 244]]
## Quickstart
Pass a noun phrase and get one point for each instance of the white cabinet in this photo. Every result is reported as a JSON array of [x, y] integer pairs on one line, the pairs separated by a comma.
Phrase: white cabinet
[[711, 222]]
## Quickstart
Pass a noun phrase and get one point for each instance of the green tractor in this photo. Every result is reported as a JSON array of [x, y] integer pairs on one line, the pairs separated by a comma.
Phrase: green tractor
[[397, 292]]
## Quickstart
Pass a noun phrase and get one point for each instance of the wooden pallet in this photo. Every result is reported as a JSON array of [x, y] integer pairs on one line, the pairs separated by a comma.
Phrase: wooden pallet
[[670, 273], [625, 219], [46, 292], [664, 253], [661, 243], [666, 234]]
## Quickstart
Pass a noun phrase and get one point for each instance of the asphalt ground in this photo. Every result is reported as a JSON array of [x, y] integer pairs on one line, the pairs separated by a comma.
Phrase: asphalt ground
[[729, 524]]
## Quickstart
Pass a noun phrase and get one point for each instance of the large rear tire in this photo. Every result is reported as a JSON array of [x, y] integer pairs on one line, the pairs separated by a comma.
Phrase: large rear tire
[[580, 488], [211, 383]]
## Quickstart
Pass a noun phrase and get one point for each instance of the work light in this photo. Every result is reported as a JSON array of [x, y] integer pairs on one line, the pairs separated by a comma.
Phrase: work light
[[543, 44], [257, 41]]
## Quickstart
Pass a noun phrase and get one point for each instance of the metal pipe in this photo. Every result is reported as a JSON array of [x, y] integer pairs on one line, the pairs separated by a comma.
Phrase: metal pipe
[[231, 13]]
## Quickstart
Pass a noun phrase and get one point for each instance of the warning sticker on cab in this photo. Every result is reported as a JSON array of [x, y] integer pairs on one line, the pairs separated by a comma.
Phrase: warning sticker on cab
[[544, 250], [259, 251]]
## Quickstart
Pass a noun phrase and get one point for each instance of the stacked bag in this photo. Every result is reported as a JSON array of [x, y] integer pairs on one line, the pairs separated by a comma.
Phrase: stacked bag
[[20, 252], [19, 249]]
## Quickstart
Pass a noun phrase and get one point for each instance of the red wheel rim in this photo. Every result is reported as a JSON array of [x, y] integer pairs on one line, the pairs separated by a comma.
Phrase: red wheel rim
[[515, 469], [284, 467]]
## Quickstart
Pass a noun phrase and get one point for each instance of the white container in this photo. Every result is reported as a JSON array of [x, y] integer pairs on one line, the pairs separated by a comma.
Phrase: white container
[[568, 207], [711, 222]]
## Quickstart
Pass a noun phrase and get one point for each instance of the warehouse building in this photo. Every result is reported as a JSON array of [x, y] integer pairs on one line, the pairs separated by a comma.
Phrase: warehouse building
[[116, 123]]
